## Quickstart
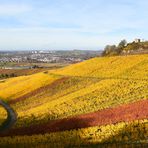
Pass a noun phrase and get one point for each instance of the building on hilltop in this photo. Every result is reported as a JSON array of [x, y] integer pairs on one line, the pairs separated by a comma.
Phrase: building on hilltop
[[137, 40]]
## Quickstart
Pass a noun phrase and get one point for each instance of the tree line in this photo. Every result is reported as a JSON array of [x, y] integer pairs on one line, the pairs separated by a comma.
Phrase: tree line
[[113, 49], [124, 47], [7, 75]]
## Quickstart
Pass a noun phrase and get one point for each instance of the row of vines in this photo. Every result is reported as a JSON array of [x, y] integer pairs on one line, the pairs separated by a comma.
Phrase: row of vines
[[135, 132]]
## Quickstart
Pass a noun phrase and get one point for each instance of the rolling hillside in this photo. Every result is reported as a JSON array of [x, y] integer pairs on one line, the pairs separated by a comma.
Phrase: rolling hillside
[[101, 101]]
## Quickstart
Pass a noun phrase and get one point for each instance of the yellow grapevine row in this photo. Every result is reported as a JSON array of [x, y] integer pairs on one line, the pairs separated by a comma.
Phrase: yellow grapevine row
[[3, 115], [123, 132], [16, 87], [109, 67], [97, 96]]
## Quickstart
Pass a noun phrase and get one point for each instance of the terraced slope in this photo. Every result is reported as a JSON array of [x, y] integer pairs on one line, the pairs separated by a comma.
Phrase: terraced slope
[[81, 91], [15, 87], [129, 112], [124, 66], [95, 97]]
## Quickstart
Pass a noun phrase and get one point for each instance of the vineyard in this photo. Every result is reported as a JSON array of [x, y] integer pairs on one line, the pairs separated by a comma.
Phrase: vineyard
[[123, 133], [3, 114], [101, 101]]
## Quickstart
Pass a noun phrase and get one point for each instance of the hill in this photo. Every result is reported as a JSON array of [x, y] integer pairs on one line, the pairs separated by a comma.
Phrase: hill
[[101, 101], [124, 48]]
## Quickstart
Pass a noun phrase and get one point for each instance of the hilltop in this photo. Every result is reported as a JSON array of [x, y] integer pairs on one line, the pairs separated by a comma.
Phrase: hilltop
[[124, 48]]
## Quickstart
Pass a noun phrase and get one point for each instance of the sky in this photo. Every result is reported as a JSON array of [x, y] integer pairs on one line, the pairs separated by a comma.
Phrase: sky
[[70, 24]]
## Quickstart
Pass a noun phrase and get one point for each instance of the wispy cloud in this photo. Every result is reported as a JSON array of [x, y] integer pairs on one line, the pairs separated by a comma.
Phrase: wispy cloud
[[70, 23], [13, 9]]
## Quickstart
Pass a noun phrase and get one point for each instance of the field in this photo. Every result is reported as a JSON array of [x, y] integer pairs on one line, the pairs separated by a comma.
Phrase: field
[[8, 70], [99, 102]]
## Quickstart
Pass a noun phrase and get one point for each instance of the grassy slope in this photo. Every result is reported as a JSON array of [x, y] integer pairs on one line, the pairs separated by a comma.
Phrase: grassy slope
[[16, 87], [112, 67], [108, 67], [123, 134], [90, 99], [129, 112], [89, 86], [79, 95]]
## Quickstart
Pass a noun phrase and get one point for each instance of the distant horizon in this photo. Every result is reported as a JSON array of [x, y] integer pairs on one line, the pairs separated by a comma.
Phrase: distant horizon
[[49, 50], [68, 24]]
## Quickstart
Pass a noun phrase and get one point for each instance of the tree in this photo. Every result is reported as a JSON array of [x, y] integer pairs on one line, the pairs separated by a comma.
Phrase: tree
[[109, 50], [122, 44], [132, 46]]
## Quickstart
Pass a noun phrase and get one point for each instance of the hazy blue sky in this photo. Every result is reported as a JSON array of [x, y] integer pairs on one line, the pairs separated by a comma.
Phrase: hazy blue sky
[[69, 24]]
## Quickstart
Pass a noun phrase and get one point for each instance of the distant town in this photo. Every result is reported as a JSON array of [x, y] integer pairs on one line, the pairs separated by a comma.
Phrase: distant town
[[41, 56], [63, 57]]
